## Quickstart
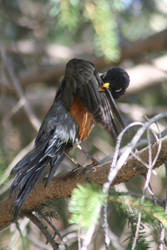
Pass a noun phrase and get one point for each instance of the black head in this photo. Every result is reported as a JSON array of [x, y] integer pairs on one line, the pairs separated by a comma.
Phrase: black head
[[118, 79]]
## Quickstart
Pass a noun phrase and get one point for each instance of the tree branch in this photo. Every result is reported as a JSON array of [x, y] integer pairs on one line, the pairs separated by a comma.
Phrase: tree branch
[[61, 187], [156, 42], [53, 72], [43, 229]]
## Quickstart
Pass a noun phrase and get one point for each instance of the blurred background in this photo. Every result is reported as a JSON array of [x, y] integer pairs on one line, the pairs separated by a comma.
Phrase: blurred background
[[37, 38]]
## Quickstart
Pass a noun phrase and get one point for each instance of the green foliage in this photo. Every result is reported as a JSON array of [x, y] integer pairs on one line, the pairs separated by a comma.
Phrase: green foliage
[[87, 200], [69, 12], [84, 205], [104, 25], [141, 242], [72, 13], [151, 213]]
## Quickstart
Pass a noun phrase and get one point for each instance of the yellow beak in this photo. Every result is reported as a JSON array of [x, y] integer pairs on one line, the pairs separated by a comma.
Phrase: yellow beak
[[106, 85]]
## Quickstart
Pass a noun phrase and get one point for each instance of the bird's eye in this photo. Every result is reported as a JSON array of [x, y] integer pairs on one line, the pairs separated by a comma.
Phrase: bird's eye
[[118, 90]]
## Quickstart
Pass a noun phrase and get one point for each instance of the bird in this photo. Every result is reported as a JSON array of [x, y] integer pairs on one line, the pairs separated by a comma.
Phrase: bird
[[83, 98]]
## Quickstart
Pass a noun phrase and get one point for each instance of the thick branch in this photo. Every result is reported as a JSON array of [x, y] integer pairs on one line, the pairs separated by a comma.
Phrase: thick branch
[[53, 72], [147, 75], [154, 43], [61, 187]]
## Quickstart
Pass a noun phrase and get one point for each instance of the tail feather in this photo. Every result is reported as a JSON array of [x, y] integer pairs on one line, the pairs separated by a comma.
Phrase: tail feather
[[56, 160], [30, 157], [24, 167], [54, 165], [27, 185], [29, 170]]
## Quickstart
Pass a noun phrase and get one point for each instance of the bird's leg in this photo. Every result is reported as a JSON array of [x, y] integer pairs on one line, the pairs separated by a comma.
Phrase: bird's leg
[[76, 163], [87, 154]]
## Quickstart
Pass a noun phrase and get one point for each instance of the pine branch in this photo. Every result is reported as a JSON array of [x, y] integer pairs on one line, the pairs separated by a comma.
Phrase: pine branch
[[61, 187]]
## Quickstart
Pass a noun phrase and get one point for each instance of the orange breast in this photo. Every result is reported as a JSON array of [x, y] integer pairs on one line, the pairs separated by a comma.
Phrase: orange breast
[[83, 118]]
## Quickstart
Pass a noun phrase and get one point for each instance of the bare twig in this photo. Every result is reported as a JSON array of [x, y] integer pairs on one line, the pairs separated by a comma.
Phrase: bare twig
[[146, 186], [21, 235], [159, 201], [18, 157], [87, 237], [118, 162], [163, 230], [115, 241], [22, 229], [53, 227], [38, 243], [107, 184], [35, 122], [70, 234], [43, 229], [151, 163]]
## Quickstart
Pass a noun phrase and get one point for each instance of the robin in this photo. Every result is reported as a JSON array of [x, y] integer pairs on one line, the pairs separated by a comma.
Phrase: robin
[[83, 98]]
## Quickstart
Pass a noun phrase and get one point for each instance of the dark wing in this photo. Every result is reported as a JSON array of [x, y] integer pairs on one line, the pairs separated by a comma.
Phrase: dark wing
[[81, 80], [105, 116]]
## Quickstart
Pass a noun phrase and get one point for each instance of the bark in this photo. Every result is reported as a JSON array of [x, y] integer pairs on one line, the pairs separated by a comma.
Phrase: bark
[[61, 187]]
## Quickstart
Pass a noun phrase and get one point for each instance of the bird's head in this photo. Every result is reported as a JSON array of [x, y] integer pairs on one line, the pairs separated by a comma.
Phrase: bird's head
[[116, 80]]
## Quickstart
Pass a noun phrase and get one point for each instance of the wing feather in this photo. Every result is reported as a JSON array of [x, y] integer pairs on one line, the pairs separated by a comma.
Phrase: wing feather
[[81, 80], [106, 117]]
